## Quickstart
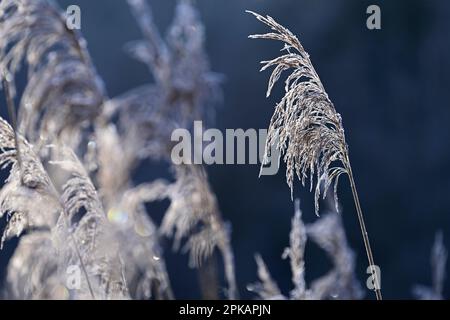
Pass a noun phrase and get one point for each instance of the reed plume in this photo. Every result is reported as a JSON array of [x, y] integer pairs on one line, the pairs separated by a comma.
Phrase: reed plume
[[63, 89], [32, 203], [194, 213], [438, 261], [339, 283], [305, 126]]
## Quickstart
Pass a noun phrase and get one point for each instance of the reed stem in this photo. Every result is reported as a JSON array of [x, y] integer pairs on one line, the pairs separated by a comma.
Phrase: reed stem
[[364, 231]]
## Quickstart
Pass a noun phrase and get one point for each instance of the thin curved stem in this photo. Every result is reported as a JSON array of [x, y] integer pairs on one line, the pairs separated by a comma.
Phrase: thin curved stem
[[364, 230]]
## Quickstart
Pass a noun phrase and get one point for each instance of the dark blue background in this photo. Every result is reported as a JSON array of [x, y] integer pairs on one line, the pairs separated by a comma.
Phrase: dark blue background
[[391, 87]]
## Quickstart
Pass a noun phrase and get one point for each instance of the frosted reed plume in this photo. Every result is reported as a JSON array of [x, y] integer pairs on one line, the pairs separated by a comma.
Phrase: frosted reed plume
[[194, 213], [32, 203], [28, 197], [62, 88], [266, 288], [62, 92], [296, 254], [339, 283], [329, 234], [185, 89], [305, 126], [439, 257], [98, 247]]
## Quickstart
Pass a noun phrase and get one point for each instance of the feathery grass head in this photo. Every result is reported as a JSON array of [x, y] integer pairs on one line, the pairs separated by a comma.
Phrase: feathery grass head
[[63, 88], [340, 282], [266, 288], [305, 126], [194, 213], [296, 254], [186, 87], [84, 222], [439, 257], [192, 205], [27, 198]]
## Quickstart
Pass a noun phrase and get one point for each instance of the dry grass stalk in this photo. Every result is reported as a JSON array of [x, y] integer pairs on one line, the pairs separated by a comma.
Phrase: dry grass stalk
[[305, 126]]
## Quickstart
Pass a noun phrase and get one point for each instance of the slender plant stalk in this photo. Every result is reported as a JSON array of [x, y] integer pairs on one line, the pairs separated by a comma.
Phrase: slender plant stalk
[[364, 232]]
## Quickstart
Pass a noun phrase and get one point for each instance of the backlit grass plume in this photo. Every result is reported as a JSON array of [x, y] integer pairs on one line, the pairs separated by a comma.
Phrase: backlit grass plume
[[338, 283], [63, 88], [194, 213], [439, 257], [32, 203], [305, 126]]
